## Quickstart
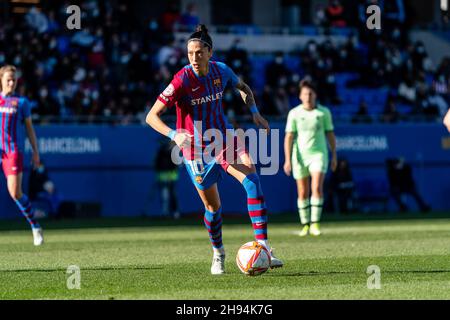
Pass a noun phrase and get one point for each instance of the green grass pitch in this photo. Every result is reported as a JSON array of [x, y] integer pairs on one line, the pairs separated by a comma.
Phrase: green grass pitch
[[147, 259]]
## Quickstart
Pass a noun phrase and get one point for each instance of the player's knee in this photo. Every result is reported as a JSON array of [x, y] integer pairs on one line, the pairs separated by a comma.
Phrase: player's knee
[[252, 185], [16, 194], [212, 207]]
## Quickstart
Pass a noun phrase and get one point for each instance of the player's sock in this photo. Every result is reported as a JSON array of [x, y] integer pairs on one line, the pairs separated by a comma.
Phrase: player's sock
[[25, 207], [256, 206], [213, 223], [304, 210], [316, 209]]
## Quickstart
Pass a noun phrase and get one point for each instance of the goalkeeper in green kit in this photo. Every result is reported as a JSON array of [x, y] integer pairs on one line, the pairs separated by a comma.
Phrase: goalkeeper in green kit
[[309, 127]]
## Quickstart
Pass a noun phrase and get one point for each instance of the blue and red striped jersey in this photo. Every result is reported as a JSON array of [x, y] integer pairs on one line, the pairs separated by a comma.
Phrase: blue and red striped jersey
[[13, 111], [200, 99]]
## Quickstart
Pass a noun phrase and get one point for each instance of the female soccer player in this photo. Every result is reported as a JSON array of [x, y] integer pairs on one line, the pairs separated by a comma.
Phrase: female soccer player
[[15, 114], [197, 91], [308, 128]]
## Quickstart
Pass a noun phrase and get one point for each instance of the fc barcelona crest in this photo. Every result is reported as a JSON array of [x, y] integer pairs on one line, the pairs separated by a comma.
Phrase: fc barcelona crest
[[217, 82], [14, 103]]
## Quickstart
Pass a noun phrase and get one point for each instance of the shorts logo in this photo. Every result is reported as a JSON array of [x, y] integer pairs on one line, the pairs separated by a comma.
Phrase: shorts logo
[[169, 90], [198, 179], [14, 168]]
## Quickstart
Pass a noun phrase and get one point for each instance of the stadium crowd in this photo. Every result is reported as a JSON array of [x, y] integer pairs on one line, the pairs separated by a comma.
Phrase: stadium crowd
[[114, 67]]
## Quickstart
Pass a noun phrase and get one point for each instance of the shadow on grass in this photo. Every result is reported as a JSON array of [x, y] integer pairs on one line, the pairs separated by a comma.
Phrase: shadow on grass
[[197, 220], [331, 273], [83, 269]]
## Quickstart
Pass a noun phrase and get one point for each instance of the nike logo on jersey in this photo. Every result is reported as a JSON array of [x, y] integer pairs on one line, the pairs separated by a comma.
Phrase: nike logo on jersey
[[193, 90]]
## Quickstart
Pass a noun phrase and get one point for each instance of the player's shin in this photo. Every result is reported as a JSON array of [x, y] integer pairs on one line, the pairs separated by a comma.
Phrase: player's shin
[[256, 207], [316, 209], [213, 223], [304, 210], [316, 214], [25, 207]]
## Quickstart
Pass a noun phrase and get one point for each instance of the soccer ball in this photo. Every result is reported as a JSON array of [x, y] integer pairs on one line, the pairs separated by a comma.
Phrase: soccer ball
[[253, 258]]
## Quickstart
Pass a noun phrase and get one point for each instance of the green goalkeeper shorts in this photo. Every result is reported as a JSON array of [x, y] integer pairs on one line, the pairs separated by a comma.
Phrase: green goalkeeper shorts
[[302, 167]]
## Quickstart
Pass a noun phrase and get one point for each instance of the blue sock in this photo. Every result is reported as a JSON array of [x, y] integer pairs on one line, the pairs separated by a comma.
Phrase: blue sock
[[213, 223], [256, 206], [24, 205]]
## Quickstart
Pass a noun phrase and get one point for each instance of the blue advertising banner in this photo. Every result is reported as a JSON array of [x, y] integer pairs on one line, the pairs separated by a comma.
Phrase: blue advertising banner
[[113, 166]]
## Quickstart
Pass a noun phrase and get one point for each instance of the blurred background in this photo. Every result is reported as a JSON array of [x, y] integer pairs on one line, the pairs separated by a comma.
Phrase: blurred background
[[90, 89]]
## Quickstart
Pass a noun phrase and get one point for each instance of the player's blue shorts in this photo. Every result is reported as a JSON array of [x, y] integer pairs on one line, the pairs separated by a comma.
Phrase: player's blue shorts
[[203, 175]]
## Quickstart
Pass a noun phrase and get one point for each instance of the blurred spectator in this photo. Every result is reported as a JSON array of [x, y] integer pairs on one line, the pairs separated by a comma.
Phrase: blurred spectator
[[171, 17], [390, 113], [277, 73], [166, 177], [438, 101], [335, 14], [362, 115], [42, 192], [320, 18], [37, 20], [401, 182], [343, 187], [190, 19], [407, 91], [237, 59]]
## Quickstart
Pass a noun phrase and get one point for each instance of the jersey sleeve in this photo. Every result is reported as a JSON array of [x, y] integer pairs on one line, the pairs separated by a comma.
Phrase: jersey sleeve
[[229, 74], [328, 121], [25, 110], [291, 126], [172, 93]]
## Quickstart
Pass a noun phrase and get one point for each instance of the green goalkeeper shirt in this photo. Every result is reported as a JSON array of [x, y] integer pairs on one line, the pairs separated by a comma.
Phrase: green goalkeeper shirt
[[310, 128]]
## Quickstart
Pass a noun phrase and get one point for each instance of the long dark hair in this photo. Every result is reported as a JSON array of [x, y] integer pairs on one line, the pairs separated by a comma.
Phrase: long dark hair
[[201, 34]]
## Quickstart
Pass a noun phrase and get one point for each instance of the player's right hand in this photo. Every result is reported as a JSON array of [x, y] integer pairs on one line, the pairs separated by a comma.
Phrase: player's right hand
[[287, 168], [183, 140]]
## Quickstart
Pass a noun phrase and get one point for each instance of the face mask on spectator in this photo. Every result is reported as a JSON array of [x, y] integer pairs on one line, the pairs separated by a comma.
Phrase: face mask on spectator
[[237, 64], [17, 60], [43, 93], [52, 44]]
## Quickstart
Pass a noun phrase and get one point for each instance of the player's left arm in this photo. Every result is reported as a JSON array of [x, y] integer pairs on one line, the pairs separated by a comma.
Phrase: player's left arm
[[332, 142], [249, 100], [33, 141], [447, 120], [329, 131]]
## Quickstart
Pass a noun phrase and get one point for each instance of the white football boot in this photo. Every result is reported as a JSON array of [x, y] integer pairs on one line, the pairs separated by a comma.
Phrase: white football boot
[[218, 264], [274, 261], [38, 236]]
